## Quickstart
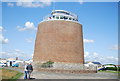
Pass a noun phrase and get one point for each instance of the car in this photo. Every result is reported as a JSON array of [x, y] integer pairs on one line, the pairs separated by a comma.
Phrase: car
[[101, 68], [2, 64], [15, 65]]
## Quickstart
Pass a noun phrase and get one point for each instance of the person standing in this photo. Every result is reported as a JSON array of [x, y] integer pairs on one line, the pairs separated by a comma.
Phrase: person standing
[[30, 69], [26, 71]]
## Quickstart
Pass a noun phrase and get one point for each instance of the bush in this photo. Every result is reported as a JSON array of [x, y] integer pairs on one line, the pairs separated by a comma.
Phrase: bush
[[47, 64]]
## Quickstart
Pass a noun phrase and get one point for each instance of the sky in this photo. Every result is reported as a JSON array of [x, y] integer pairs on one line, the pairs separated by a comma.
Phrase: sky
[[99, 19]]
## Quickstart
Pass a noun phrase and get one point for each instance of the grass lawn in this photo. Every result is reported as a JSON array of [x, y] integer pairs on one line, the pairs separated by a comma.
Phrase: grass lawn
[[12, 75]]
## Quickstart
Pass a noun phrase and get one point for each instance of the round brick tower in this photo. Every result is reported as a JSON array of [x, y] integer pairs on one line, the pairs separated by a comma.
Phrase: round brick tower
[[59, 39]]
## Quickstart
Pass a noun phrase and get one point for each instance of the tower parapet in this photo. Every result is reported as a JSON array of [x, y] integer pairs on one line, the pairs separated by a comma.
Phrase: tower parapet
[[61, 15]]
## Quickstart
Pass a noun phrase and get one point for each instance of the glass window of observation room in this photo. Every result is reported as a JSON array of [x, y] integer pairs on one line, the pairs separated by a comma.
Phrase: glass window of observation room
[[57, 17], [69, 18], [53, 16], [65, 17], [61, 17]]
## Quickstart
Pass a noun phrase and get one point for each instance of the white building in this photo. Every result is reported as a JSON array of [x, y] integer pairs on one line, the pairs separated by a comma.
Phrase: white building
[[3, 60], [98, 64], [11, 61]]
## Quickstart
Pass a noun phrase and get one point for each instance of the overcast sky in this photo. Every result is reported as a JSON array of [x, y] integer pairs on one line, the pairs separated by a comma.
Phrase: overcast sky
[[99, 20]]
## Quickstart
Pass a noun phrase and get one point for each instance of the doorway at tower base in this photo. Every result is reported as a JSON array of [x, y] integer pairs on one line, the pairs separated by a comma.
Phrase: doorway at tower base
[[61, 67]]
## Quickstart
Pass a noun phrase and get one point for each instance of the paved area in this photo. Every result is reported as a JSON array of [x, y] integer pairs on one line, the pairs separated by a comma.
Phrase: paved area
[[50, 75], [99, 75]]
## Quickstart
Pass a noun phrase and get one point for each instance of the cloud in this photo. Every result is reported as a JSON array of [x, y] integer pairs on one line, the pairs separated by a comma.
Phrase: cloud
[[17, 50], [31, 3], [28, 26], [111, 58], [103, 59], [1, 29], [3, 40], [91, 56], [10, 4], [88, 41], [32, 55], [29, 40], [86, 54], [3, 53], [115, 47], [81, 1], [16, 53]]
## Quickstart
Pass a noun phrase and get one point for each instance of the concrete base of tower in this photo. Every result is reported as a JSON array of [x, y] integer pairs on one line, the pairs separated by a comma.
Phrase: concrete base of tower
[[61, 67]]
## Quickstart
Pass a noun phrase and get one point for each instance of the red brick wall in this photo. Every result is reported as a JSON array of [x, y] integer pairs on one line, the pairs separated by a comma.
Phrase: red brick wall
[[59, 41]]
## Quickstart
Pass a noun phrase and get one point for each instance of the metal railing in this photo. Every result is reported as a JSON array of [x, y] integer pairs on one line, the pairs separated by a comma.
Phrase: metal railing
[[50, 17]]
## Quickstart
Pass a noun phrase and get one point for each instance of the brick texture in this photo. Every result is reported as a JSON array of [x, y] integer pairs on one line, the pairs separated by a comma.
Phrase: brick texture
[[59, 41]]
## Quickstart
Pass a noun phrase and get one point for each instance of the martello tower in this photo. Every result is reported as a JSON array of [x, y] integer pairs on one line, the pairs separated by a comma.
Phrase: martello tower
[[59, 39]]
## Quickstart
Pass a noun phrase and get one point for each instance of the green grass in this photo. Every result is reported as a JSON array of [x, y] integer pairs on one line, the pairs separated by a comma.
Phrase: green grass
[[14, 78], [10, 75], [110, 71]]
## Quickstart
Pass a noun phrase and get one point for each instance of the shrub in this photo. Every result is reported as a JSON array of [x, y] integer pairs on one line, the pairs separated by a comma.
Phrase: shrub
[[48, 64], [113, 68]]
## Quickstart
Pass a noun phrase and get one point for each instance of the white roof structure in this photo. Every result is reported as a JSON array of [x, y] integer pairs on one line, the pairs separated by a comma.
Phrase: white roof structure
[[60, 11], [61, 15], [11, 59]]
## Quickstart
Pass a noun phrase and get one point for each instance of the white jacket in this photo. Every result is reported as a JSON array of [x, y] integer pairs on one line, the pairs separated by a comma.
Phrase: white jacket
[[25, 68]]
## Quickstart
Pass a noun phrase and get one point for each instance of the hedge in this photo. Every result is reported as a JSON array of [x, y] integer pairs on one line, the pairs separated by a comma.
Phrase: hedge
[[113, 68]]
